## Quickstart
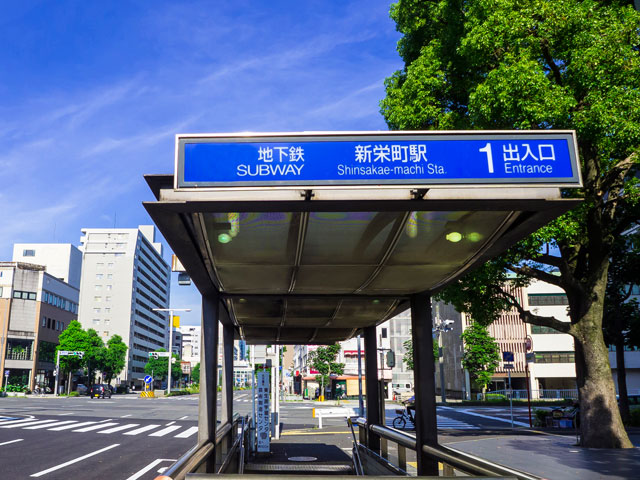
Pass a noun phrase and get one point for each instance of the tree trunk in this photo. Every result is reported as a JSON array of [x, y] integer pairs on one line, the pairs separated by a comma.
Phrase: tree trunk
[[622, 380], [600, 422]]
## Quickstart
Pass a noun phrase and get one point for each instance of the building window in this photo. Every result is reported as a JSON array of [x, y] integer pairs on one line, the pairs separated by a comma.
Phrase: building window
[[384, 334], [96, 310], [537, 329], [107, 321], [107, 309], [555, 357], [543, 299], [110, 265], [44, 321], [98, 287], [99, 276], [96, 321], [49, 324], [109, 287], [109, 276], [97, 299], [108, 299], [28, 253]]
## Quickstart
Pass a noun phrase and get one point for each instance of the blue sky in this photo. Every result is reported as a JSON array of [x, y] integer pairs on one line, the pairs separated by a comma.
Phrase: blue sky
[[92, 94]]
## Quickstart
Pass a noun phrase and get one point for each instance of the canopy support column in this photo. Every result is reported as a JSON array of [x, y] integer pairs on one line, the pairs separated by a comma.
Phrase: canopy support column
[[227, 377], [208, 376], [424, 381], [371, 385]]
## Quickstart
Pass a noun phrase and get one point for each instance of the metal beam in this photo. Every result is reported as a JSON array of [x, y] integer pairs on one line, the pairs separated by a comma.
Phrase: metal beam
[[208, 374], [424, 382], [227, 375], [371, 381]]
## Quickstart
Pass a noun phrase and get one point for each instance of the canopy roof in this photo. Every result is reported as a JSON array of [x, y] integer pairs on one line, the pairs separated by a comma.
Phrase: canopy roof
[[294, 269]]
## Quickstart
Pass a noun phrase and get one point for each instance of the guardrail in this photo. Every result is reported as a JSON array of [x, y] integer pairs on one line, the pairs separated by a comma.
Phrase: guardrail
[[451, 458], [547, 394], [225, 448]]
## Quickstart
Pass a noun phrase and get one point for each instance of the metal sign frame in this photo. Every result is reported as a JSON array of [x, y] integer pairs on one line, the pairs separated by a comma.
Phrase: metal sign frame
[[575, 180]]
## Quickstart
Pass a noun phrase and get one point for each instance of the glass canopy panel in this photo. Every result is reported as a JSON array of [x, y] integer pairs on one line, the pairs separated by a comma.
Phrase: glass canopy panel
[[403, 279], [331, 279], [330, 335], [442, 238], [268, 238], [254, 278], [361, 312], [348, 238], [312, 307], [247, 309]]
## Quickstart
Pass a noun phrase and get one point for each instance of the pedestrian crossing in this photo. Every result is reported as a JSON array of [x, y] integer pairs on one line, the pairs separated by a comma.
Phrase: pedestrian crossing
[[443, 423], [104, 427]]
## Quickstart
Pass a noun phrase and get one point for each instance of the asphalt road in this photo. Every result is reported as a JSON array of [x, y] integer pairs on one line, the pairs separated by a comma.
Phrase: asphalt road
[[130, 438]]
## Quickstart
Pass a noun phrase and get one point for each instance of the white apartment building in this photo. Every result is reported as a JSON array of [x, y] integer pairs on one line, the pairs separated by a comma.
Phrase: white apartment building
[[190, 344], [61, 260], [124, 277]]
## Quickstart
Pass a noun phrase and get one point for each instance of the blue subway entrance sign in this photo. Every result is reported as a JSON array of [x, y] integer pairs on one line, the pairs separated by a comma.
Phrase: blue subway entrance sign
[[388, 158]]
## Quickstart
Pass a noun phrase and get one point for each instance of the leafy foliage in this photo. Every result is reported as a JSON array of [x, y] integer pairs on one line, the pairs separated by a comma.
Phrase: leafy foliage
[[481, 354], [407, 358], [114, 357], [323, 359], [195, 373], [73, 338], [534, 64], [159, 367]]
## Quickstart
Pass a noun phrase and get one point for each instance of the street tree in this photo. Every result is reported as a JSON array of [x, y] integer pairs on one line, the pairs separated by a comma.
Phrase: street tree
[[323, 359], [407, 357], [94, 354], [195, 373], [114, 358], [621, 311], [481, 354], [159, 367], [72, 338], [534, 64]]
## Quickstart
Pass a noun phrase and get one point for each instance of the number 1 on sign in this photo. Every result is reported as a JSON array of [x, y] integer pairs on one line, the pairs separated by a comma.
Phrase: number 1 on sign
[[487, 149]]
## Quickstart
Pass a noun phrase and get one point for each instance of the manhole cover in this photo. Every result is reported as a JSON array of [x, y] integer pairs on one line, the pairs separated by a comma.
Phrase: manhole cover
[[302, 459]]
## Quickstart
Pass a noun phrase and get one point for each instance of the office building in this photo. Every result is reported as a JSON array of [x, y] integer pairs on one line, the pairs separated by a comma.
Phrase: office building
[[35, 307], [124, 278], [61, 260], [190, 344]]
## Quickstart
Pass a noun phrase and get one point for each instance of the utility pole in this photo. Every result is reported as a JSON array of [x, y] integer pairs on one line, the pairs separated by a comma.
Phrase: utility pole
[[439, 327], [360, 398], [170, 310]]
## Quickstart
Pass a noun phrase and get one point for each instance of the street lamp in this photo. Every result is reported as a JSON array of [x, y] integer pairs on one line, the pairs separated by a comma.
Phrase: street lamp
[[439, 327], [170, 310]]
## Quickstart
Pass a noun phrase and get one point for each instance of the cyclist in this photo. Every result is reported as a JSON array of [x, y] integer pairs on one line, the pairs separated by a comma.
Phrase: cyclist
[[410, 405]]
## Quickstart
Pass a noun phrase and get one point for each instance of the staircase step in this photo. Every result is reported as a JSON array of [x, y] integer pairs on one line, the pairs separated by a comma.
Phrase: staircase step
[[311, 468]]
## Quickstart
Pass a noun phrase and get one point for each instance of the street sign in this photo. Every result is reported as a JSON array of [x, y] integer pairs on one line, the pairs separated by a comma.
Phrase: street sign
[[148, 379], [507, 356], [388, 158], [263, 412], [6, 373], [528, 343], [157, 355]]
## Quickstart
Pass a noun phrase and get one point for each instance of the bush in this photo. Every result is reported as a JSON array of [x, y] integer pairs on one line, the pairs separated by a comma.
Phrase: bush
[[175, 393], [74, 394], [495, 397], [634, 419], [540, 415]]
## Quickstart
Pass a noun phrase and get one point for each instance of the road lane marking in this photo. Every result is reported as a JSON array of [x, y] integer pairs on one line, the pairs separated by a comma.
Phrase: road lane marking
[[22, 420], [141, 472], [170, 423], [51, 425], [94, 427], [28, 424], [184, 418], [163, 432], [141, 429], [73, 425], [75, 460], [65, 414], [125, 416], [187, 433], [506, 420], [120, 428], [11, 441]]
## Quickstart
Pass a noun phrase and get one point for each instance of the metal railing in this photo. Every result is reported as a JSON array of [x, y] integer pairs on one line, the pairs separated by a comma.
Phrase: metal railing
[[546, 394], [222, 452], [451, 458]]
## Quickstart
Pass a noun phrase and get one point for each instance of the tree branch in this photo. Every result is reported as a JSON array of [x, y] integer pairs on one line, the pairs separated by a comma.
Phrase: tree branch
[[528, 317], [537, 274], [547, 259], [546, 53]]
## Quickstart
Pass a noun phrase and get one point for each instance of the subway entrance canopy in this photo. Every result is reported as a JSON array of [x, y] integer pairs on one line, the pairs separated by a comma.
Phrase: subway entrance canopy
[[308, 238]]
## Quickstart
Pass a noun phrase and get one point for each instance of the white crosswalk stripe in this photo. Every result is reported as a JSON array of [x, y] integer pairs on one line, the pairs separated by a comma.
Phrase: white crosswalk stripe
[[187, 433], [165, 431], [95, 427], [120, 428], [47, 425], [69, 427], [443, 423], [104, 427], [140, 430]]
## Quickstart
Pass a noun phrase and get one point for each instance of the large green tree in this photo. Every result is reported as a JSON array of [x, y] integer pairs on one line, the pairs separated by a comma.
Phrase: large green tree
[[535, 64], [481, 354], [73, 338], [114, 357], [159, 367], [94, 354], [323, 359]]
